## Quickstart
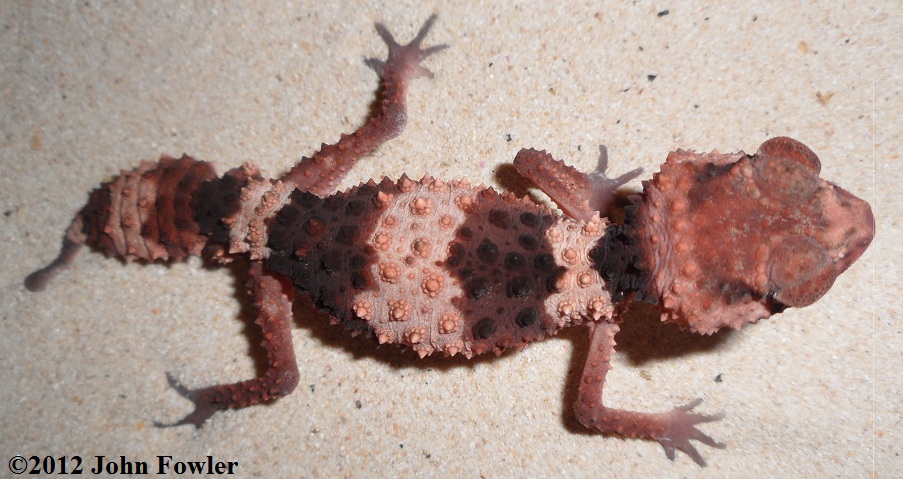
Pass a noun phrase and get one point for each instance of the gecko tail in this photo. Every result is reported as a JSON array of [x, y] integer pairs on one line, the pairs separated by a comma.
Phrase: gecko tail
[[72, 244], [150, 213]]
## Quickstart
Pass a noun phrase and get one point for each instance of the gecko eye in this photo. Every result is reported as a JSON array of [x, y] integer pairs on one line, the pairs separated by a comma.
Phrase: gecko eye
[[800, 271], [791, 150], [786, 170]]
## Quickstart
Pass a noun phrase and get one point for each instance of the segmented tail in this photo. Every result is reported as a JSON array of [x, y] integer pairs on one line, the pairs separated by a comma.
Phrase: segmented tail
[[148, 214]]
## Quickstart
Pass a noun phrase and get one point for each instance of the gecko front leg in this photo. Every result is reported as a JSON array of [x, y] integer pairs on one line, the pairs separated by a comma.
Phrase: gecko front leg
[[581, 195], [578, 194], [673, 429]]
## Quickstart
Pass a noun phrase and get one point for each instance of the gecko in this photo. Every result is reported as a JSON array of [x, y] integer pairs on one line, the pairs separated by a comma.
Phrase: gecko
[[444, 267]]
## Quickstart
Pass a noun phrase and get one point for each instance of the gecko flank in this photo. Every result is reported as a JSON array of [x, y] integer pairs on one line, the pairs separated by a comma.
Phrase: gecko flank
[[445, 267]]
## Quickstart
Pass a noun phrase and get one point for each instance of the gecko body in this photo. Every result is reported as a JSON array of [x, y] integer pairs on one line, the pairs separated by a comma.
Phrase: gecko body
[[445, 267]]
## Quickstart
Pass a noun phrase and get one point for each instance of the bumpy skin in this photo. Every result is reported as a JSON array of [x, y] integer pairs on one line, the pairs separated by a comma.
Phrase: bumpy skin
[[442, 266]]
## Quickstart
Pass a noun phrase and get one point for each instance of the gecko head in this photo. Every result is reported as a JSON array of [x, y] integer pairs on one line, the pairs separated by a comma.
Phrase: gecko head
[[728, 239]]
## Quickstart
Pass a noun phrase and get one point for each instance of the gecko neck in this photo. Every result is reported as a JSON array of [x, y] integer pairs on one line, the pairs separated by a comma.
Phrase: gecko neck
[[620, 261]]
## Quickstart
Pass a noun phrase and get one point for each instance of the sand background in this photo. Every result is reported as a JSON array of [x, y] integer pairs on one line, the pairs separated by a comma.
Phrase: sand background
[[89, 88]]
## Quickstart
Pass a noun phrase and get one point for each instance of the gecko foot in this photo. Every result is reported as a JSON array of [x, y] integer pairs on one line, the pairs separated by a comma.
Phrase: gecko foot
[[203, 407], [602, 196], [601, 181], [406, 56], [682, 428]]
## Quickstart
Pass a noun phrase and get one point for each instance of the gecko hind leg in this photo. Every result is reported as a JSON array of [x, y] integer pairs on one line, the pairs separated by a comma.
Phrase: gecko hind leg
[[580, 195], [273, 303], [321, 173], [673, 430]]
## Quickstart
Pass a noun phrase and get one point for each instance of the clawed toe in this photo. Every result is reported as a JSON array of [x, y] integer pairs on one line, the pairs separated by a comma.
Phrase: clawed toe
[[203, 409]]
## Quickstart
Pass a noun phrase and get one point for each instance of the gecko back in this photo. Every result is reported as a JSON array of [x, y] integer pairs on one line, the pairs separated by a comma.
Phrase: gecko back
[[440, 266]]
